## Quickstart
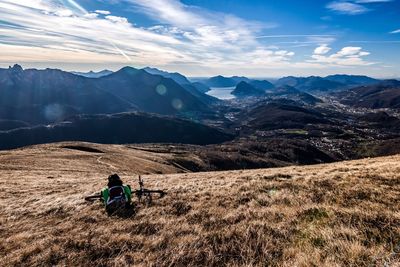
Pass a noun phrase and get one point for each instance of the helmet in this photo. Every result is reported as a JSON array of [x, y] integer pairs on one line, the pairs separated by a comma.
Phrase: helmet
[[114, 177], [114, 180]]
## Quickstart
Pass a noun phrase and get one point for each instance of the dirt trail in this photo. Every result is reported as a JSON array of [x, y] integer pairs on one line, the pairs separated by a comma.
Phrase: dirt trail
[[106, 164]]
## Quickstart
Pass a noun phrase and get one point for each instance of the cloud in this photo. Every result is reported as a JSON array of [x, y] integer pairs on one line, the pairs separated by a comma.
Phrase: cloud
[[353, 7], [347, 56], [321, 39], [117, 19], [294, 35], [172, 12], [322, 50], [103, 12], [395, 31], [372, 1], [47, 31], [91, 15], [375, 42], [185, 37], [347, 8], [206, 28]]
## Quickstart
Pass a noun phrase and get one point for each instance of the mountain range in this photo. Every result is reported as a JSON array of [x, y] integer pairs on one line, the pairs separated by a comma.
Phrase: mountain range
[[385, 94], [50, 95], [325, 84], [130, 106], [92, 74], [221, 81], [306, 84]]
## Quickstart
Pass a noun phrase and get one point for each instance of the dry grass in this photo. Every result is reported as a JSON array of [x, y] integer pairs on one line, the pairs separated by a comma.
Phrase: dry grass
[[342, 214]]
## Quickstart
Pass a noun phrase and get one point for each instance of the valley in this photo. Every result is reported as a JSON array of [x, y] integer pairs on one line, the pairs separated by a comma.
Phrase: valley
[[313, 119]]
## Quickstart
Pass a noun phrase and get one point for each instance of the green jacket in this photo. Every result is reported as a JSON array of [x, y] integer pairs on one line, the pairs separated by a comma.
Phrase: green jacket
[[105, 194]]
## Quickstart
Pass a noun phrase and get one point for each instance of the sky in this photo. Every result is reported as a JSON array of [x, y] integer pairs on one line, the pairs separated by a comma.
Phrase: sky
[[199, 38]]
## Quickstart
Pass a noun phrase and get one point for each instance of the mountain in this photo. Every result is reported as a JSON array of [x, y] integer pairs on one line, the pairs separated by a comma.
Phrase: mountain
[[282, 116], [287, 81], [151, 93], [177, 77], [45, 96], [201, 87], [115, 129], [92, 74], [385, 94], [326, 84], [196, 89], [310, 84], [220, 81], [239, 79], [289, 92], [261, 84], [381, 120], [201, 96], [243, 89], [351, 80]]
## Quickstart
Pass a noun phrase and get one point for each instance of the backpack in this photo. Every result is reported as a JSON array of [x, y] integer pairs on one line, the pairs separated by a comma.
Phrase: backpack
[[116, 201]]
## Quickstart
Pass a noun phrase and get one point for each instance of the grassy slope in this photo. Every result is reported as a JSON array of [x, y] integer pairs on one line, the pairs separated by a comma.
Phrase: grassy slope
[[323, 215]]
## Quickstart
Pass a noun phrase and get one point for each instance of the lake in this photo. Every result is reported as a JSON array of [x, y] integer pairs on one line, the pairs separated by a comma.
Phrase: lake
[[223, 93]]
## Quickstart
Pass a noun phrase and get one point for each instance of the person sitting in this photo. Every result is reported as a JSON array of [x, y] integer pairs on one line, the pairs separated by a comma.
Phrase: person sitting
[[116, 196]]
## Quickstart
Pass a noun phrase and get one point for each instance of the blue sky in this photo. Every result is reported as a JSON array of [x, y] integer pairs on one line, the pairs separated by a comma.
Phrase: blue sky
[[257, 38]]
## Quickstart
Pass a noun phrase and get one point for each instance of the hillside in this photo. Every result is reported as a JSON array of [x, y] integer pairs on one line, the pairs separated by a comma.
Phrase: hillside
[[243, 89], [352, 80], [276, 115], [310, 84], [340, 214], [220, 81], [122, 128], [177, 77], [385, 94]]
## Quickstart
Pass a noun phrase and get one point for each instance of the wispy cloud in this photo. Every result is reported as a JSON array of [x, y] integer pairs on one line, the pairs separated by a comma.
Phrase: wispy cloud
[[353, 7], [103, 12], [372, 1], [294, 35], [376, 41], [45, 29], [41, 29], [395, 31], [347, 8], [203, 27], [183, 36]]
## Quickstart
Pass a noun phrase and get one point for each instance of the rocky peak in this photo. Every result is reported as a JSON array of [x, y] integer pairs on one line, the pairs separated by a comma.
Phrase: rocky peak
[[16, 68]]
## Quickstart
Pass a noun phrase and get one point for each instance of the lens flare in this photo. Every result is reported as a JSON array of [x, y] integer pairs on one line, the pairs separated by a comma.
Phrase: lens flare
[[161, 89], [177, 104]]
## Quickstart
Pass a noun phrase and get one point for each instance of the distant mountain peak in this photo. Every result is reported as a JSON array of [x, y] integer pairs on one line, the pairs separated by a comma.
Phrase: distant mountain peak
[[16, 68], [244, 89], [128, 70], [93, 74], [176, 76]]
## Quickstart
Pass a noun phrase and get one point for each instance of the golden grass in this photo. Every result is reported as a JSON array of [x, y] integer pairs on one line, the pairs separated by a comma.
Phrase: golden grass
[[341, 214]]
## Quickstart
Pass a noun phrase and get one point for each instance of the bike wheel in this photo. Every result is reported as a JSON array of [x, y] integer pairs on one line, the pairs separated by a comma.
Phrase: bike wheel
[[147, 199]]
